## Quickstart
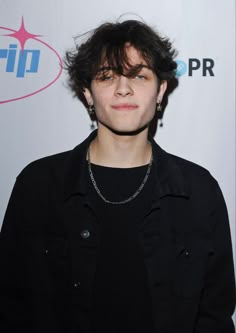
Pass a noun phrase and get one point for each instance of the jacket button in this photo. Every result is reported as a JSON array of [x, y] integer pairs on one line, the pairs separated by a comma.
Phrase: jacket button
[[76, 284], [85, 234], [187, 253]]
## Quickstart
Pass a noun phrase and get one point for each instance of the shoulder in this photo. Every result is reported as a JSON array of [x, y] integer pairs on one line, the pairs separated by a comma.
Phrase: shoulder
[[196, 179], [57, 165], [44, 167], [195, 174], [191, 170], [203, 188]]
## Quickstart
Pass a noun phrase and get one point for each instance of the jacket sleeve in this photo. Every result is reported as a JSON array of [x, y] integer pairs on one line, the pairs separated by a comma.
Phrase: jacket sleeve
[[15, 313], [218, 297]]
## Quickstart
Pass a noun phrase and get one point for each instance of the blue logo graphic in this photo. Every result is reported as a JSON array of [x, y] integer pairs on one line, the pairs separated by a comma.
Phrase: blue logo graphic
[[16, 60], [181, 68]]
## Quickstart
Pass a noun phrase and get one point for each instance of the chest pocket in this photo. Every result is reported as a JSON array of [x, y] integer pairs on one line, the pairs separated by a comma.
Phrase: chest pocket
[[177, 266], [48, 252], [55, 248], [190, 266], [46, 262]]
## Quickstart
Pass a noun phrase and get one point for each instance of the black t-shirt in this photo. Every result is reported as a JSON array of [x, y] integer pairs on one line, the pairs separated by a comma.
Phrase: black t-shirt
[[121, 301]]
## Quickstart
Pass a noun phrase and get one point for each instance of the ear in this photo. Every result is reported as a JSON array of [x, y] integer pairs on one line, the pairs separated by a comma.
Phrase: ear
[[162, 90], [88, 96]]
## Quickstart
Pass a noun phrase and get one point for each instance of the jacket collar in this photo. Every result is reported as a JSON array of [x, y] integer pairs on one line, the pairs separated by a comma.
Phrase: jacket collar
[[169, 177]]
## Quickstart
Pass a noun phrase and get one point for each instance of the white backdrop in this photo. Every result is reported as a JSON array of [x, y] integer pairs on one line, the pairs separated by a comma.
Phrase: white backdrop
[[199, 123]]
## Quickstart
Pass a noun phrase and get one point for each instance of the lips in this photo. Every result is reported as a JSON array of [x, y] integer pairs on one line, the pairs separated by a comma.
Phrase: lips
[[124, 106]]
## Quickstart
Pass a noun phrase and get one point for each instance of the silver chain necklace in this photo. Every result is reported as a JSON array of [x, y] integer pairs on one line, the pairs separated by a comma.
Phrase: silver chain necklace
[[122, 201]]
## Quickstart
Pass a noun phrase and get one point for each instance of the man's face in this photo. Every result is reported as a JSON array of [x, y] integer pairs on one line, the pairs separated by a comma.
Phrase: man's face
[[125, 104]]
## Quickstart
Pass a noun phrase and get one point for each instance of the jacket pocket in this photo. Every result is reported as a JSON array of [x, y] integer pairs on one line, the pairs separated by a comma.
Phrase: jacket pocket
[[190, 265], [47, 260], [55, 253]]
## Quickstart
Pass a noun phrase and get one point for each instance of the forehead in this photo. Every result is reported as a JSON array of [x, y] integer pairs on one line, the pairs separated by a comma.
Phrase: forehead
[[131, 56], [134, 56]]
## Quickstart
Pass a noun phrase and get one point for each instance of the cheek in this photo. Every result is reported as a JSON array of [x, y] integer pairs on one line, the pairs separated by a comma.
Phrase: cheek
[[101, 99], [151, 101], [149, 105], [148, 94]]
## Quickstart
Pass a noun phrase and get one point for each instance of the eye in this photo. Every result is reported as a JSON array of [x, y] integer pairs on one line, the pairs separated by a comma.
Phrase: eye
[[140, 77], [107, 77], [104, 77]]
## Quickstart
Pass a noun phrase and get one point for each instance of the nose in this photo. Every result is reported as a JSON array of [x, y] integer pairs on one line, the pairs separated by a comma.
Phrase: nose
[[123, 87]]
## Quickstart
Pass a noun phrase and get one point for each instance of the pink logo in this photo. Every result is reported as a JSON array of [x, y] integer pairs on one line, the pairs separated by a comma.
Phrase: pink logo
[[19, 63]]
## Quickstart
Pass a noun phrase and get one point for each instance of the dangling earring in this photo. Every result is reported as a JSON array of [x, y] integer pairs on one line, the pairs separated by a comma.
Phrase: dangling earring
[[92, 126], [159, 107], [91, 110], [159, 110]]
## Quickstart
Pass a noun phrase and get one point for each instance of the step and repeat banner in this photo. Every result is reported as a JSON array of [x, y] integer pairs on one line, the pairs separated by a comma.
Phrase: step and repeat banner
[[39, 116]]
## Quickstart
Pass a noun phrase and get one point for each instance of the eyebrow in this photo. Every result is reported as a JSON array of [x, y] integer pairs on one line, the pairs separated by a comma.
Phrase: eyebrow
[[108, 68], [105, 68]]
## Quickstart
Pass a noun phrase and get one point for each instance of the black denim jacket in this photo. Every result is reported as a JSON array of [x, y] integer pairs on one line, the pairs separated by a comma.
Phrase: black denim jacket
[[50, 237]]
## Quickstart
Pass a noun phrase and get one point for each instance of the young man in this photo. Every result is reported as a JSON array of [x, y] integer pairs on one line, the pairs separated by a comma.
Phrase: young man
[[117, 235]]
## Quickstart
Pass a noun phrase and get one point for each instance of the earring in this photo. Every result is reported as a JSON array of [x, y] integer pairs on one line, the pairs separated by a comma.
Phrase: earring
[[159, 107], [91, 110], [92, 126]]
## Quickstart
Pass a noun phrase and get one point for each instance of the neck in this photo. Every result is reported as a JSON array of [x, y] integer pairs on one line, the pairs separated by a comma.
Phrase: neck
[[120, 151]]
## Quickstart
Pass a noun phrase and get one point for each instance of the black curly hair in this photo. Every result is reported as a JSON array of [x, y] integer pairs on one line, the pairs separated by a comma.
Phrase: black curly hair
[[108, 44]]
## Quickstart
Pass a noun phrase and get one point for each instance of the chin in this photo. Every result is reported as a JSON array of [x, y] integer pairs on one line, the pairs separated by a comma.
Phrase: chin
[[126, 131]]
